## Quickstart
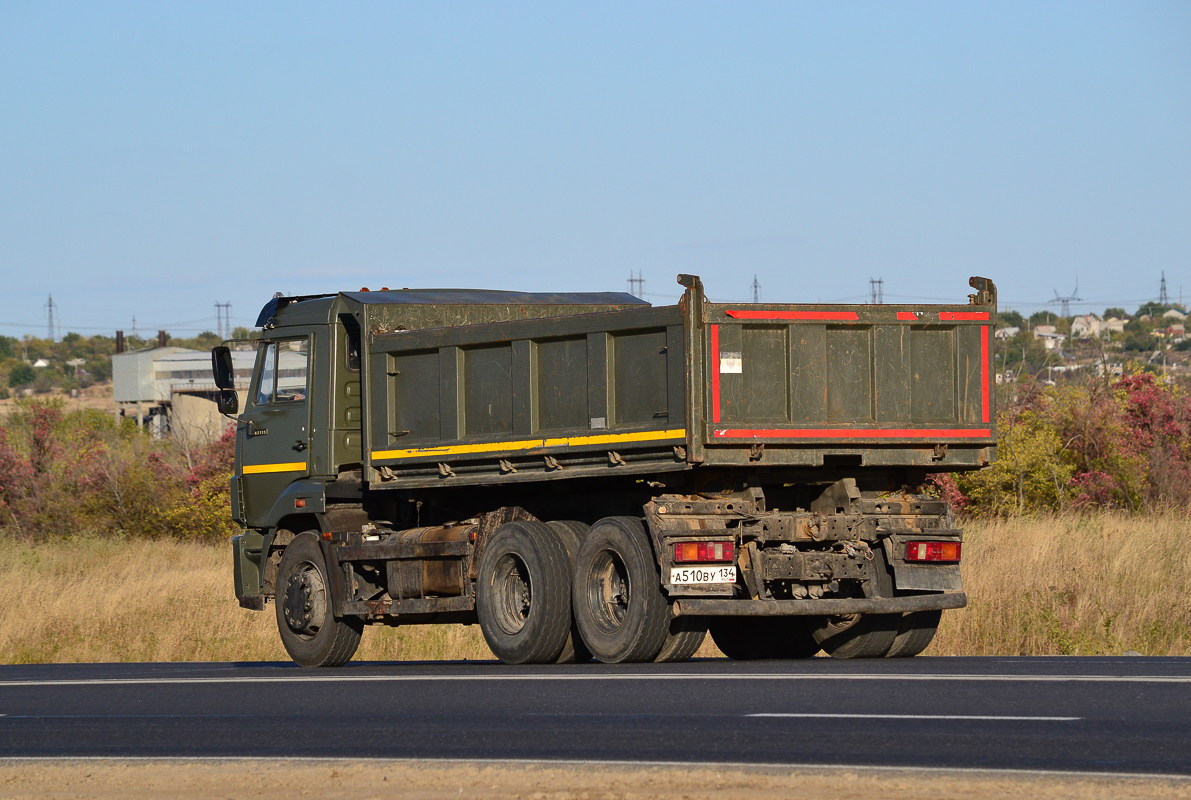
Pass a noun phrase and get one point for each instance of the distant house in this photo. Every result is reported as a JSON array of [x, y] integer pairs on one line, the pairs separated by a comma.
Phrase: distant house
[[1174, 313], [1006, 333], [1176, 331], [1086, 326], [1050, 337], [1113, 325], [40, 363]]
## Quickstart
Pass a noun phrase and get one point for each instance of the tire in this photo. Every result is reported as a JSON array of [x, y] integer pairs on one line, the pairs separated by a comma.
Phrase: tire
[[915, 633], [310, 632], [756, 638], [617, 593], [572, 533], [683, 639], [523, 595], [863, 635]]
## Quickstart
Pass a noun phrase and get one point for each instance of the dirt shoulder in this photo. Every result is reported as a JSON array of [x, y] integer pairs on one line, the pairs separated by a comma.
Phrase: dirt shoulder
[[418, 780]]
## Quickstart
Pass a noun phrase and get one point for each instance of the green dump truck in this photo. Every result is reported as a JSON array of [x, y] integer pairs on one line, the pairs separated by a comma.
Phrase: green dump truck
[[588, 476]]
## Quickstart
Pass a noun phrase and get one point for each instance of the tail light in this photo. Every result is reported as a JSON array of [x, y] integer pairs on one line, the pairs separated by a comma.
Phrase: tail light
[[703, 551], [932, 551]]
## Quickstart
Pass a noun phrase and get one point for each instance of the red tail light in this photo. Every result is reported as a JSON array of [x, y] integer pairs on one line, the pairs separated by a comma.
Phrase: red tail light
[[703, 551], [932, 551]]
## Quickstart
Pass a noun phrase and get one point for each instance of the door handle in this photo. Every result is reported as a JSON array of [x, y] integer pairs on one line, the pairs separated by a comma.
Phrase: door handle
[[299, 445]]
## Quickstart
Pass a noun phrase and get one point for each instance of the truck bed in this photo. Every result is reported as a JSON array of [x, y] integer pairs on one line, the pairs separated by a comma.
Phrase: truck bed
[[695, 385]]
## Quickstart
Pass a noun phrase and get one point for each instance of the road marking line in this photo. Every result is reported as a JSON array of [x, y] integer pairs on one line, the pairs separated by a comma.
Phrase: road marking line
[[300, 678], [919, 716]]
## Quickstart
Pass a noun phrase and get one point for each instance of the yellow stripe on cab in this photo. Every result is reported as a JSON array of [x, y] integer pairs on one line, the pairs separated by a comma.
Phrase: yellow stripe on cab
[[256, 469]]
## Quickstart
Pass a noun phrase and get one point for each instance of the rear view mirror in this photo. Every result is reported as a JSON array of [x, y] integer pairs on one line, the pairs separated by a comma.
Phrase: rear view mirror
[[228, 403], [222, 368]]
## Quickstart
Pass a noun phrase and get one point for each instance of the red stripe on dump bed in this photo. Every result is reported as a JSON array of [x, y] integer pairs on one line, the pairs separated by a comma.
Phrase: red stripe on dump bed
[[715, 373], [804, 315], [907, 316], [958, 316], [984, 373], [851, 433]]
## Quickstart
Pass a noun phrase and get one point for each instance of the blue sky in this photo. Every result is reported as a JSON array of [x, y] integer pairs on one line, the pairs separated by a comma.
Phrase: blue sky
[[157, 158]]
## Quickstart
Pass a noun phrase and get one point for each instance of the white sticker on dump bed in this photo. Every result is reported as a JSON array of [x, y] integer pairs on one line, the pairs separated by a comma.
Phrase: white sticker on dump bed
[[731, 363], [704, 574]]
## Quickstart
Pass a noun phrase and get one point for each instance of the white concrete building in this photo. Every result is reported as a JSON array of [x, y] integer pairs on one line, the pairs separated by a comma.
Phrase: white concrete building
[[173, 389]]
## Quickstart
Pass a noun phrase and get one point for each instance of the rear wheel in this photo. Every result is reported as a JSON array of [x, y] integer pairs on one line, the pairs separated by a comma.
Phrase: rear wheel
[[619, 607], [756, 638], [310, 632], [571, 533], [863, 635], [683, 640], [523, 595], [915, 633]]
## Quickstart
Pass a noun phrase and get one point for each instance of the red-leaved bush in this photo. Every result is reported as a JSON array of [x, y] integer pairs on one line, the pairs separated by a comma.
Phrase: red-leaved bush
[[1124, 444], [85, 472]]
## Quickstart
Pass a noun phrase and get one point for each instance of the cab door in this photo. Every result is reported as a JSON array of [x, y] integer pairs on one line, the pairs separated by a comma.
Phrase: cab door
[[275, 425]]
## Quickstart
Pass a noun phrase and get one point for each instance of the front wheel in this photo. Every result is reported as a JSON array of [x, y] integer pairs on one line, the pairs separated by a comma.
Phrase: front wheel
[[310, 632], [619, 607]]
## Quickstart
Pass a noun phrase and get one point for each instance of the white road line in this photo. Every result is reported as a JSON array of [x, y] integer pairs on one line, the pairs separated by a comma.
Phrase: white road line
[[919, 716], [606, 676], [815, 676]]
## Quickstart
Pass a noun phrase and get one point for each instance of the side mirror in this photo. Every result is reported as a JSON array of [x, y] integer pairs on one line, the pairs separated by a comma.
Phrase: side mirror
[[222, 368], [228, 403]]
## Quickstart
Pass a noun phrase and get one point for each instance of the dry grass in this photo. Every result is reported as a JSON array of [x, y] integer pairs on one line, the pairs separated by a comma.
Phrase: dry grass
[[1098, 584], [1070, 585], [134, 600]]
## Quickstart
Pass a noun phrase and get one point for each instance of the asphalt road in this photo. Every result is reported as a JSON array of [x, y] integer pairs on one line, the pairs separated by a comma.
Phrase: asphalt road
[[1085, 714]]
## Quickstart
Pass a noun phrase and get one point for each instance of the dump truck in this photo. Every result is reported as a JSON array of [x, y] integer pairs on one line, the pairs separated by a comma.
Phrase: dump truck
[[587, 476]]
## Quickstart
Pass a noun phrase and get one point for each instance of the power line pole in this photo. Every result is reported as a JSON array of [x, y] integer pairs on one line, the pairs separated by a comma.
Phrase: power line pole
[[756, 290], [1065, 302], [876, 291], [50, 323], [637, 284], [134, 333], [1163, 300], [223, 319]]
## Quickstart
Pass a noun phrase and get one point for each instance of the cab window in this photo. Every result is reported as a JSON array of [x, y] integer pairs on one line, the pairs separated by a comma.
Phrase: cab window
[[284, 372]]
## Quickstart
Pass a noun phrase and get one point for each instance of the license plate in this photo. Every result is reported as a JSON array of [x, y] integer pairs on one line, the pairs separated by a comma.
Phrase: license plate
[[703, 574]]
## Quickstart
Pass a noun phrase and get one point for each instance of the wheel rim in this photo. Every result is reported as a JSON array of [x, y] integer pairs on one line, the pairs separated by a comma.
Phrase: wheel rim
[[305, 604], [608, 591], [513, 594]]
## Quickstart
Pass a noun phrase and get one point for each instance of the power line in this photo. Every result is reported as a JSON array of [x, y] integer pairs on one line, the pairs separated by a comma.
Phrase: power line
[[756, 290], [1065, 302], [876, 291], [637, 284], [1163, 300], [50, 314], [223, 319]]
